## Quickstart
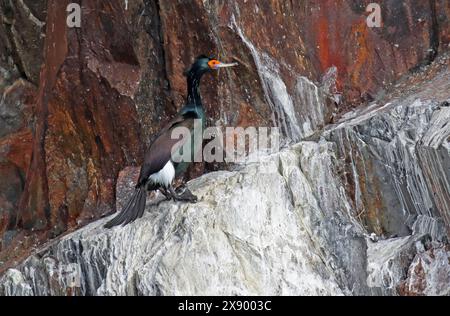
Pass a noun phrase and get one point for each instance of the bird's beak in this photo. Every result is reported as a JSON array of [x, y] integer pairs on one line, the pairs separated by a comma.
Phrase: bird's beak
[[224, 65]]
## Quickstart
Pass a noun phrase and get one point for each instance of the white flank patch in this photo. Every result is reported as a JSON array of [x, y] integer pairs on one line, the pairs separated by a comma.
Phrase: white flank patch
[[165, 176]]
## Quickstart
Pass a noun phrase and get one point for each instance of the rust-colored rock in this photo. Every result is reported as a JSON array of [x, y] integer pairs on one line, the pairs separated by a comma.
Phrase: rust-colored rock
[[87, 128], [16, 149], [23, 27], [16, 117], [15, 155]]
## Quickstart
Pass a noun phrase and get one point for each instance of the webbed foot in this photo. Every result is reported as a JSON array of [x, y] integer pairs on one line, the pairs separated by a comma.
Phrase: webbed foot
[[183, 195]]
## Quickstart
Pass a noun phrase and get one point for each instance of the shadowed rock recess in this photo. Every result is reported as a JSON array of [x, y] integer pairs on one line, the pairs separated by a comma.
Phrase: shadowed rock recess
[[356, 203]]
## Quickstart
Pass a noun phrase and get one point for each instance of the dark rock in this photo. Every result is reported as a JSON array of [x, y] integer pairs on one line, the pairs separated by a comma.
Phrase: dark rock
[[11, 188], [24, 25], [16, 110]]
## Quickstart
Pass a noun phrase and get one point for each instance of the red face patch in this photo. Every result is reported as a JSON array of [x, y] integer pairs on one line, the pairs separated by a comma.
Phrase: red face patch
[[213, 64]]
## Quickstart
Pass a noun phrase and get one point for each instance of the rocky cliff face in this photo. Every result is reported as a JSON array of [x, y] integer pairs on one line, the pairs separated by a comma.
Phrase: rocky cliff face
[[78, 105], [360, 208]]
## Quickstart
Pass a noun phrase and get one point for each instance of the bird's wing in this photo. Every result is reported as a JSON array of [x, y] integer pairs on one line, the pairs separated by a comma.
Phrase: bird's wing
[[161, 149]]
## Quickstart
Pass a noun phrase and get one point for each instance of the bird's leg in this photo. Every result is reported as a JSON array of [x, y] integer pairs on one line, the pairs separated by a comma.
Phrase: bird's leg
[[165, 193], [181, 188], [186, 196]]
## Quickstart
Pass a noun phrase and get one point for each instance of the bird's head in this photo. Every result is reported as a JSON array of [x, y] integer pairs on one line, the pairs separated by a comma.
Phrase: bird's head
[[204, 64]]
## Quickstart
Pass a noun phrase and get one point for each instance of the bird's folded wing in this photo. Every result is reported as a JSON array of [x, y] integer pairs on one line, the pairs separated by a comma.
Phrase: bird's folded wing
[[163, 146]]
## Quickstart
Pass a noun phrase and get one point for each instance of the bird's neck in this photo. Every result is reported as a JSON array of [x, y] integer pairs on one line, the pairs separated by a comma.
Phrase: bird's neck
[[193, 95]]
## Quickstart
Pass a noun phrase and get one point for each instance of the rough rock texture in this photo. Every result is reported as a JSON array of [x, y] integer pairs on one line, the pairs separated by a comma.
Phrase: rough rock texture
[[429, 273], [15, 154], [79, 105], [22, 31], [318, 218], [396, 165]]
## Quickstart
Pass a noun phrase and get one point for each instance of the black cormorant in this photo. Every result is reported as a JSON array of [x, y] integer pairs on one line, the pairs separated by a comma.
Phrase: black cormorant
[[159, 168]]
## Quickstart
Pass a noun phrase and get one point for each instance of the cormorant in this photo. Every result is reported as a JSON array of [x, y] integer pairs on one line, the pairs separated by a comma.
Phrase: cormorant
[[159, 168]]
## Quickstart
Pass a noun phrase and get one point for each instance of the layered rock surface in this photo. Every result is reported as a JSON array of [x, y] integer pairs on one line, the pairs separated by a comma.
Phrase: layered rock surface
[[360, 208]]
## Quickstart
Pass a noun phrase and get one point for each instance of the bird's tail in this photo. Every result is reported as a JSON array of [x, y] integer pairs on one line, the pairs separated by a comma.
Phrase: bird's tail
[[133, 210]]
